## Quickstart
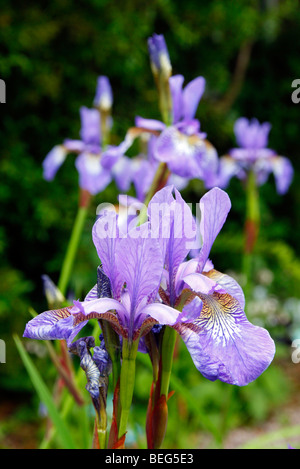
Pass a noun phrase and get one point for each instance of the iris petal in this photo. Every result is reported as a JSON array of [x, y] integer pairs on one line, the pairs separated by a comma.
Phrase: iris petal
[[50, 325], [229, 284], [191, 96], [224, 345], [214, 207]]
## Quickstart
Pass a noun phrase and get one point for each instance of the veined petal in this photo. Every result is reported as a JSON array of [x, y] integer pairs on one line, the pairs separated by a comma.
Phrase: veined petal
[[50, 325], [92, 294], [106, 237], [177, 230], [214, 206], [192, 94], [229, 284], [191, 311], [139, 262], [224, 344]]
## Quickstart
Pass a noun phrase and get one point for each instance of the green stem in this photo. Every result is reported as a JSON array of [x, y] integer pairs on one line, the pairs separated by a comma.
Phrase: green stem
[[127, 379], [102, 422], [251, 229], [253, 211], [168, 345], [72, 249], [165, 101]]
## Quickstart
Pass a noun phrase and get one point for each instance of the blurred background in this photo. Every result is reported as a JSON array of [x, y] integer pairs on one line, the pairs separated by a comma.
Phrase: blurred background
[[51, 54]]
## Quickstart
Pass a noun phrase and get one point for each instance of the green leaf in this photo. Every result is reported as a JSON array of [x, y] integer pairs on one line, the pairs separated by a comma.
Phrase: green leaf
[[45, 396]]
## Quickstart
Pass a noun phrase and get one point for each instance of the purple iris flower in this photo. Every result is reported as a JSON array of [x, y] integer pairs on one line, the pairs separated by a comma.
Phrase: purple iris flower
[[253, 154], [134, 266], [94, 164], [222, 342], [182, 145], [149, 277]]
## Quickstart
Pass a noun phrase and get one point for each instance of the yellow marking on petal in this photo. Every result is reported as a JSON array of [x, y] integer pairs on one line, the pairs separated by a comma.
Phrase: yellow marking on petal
[[218, 316], [60, 313]]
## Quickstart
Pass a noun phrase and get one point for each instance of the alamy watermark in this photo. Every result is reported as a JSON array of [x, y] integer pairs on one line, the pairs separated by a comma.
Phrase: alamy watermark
[[167, 220], [2, 91], [296, 352], [2, 351], [296, 94]]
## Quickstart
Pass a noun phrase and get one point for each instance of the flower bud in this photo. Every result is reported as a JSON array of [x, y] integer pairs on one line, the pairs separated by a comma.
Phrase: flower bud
[[104, 96], [159, 56]]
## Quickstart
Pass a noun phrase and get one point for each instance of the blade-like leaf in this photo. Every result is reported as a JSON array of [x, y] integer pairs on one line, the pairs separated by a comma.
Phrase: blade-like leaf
[[45, 396]]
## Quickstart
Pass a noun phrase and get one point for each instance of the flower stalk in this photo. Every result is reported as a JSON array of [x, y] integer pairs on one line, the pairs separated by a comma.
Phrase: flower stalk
[[251, 229], [167, 352], [73, 243], [127, 379]]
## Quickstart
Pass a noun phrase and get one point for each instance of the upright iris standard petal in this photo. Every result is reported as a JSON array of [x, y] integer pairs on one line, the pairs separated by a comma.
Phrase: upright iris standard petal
[[173, 224], [192, 94], [214, 207], [251, 134], [140, 264], [224, 345], [176, 82], [90, 125], [106, 237]]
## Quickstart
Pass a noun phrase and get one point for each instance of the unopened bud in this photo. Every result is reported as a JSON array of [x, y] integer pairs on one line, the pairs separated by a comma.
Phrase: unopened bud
[[104, 96], [159, 56]]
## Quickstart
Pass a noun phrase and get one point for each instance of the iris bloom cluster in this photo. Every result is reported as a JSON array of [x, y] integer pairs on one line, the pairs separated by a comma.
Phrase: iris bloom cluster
[[148, 272]]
